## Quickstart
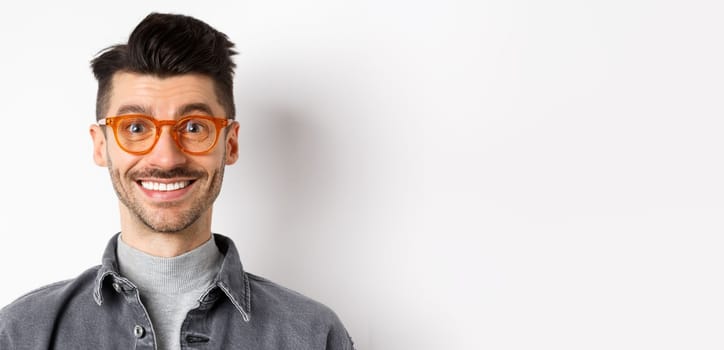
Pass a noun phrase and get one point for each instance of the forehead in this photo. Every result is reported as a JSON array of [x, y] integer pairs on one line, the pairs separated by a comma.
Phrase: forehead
[[161, 96]]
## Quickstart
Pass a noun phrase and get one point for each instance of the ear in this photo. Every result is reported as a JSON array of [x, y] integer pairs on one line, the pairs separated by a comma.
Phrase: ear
[[232, 143], [99, 145]]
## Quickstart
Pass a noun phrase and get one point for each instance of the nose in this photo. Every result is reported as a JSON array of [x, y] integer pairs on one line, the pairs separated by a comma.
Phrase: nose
[[166, 154]]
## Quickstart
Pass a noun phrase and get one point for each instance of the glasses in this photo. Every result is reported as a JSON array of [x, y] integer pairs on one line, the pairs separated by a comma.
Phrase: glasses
[[138, 134]]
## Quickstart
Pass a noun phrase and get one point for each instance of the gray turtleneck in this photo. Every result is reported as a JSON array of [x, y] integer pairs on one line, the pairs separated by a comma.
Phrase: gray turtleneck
[[170, 287]]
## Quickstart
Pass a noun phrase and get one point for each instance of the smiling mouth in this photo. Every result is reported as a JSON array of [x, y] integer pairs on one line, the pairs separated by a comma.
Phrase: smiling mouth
[[165, 187]]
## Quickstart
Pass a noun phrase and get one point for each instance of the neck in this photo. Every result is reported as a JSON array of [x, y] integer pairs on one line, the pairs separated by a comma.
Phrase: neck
[[164, 244]]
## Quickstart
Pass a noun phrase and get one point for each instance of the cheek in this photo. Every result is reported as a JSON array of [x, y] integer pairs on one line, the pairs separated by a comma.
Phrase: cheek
[[210, 163], [120, 161], [213, 165]]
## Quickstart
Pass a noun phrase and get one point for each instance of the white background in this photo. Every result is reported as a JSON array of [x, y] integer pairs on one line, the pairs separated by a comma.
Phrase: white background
[[443, 174]]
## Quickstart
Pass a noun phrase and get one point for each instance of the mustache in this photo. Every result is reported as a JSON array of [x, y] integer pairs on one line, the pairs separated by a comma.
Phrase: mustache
[[166, 174]]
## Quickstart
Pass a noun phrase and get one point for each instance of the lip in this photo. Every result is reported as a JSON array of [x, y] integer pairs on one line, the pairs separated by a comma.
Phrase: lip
[[165, 190]]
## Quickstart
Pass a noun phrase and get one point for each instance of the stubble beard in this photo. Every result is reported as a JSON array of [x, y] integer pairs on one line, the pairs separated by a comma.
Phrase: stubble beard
[[161, 218]]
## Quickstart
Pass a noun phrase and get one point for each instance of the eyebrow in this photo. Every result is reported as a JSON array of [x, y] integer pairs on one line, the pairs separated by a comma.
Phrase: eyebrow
[[184, 110], [195, 108], [132, 109]]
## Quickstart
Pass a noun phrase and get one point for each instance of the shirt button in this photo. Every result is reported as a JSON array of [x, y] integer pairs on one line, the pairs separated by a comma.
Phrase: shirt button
[[138, 331]]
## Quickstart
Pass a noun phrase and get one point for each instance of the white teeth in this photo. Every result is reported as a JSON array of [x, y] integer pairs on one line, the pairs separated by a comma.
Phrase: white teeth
[[157, 186]]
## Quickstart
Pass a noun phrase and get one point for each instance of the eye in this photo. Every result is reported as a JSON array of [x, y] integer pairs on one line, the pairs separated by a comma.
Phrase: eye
[[195, 126], [136, 128]]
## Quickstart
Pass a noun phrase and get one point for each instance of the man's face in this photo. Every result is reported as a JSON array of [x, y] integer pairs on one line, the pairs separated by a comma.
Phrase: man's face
[[165, 190]]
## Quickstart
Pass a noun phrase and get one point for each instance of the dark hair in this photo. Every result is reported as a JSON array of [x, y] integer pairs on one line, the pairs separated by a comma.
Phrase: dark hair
[[166, 45]]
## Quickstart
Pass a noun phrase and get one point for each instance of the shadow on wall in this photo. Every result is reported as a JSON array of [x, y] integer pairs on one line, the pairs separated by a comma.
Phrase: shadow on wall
[[296, 178], [293, 172], [309, 201]]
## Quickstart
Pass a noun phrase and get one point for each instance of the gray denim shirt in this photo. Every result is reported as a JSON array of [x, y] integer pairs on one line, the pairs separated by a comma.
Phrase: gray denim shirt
[[100, 309]]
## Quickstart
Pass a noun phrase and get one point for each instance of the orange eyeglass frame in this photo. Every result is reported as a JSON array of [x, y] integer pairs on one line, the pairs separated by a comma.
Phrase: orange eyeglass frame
[[219, 123]]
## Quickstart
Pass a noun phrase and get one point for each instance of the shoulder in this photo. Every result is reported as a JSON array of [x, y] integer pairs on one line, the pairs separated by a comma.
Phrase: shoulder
[[264, 291], [290, 309], [268, 296], [42, 303]]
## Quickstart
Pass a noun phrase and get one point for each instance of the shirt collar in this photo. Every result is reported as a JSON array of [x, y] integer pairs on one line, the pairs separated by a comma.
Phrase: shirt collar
[[232, 279]]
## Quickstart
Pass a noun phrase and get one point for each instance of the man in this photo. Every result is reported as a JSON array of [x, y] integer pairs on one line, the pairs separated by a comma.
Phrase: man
[[165, 131]]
